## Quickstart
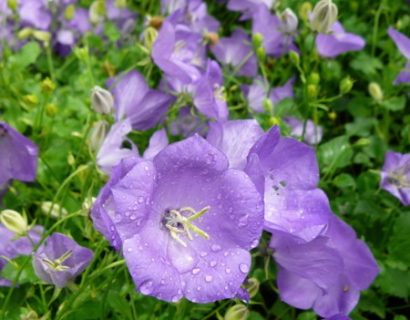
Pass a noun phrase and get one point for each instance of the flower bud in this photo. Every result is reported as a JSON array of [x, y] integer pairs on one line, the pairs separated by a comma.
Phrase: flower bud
[[81, 53], [289, 21], [14, 222], [51, 109], [323, 16], [346, 85], [274, 121], [257, 40], [98, 133], [150, 36], [312, 91], [53, 209], [12, 4], [69, 12], [48, 85], [332, 115], [31, 99], [102, 100], [122, 4], [314, 78], [25, 33], [237, 312], [97, 11], [42, 35], [261, 53], [268, 105], [156, 22], [252, 286], [294, 57], [304, 10], [376, 92]]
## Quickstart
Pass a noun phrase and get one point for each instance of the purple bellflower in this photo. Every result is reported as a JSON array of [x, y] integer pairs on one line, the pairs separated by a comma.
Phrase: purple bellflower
[[187, 123], [327, 273], [395, 176], [338, 41], [11, 247], [403, 43], [277, 40], [144, 107], [184, 221], [313, 133], [248, 7], [237, 51], [60, 259], [256, 93], [18, 156], [35, 14]]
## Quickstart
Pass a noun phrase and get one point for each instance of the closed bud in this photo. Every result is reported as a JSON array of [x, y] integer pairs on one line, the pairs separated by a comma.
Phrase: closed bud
[[237, 312], [252, 286], [12, 4], [257, 40], [294, 57], [42, 35], [268, 105], [304, 10], [69, 12], [362, 142], [51, 109], [376, 92], [312, 91], [25, 33], [71, 160], [53, 209], [261, 53], [14, 222], [88, 203], [346, 85], [323, 16], [81, 53], [156, 22], [274, 121], [122, 4], [48, 85], [102, 100], [289, 21], [314, 78], [31, 99], [150, 36], [98, 133], [332, 115], [97, 11]]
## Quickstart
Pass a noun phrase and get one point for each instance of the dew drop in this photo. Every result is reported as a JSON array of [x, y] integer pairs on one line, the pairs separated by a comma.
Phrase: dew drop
[[244, 268], [175, 299], [227, 270], [215, 247], [146, 287], [133, 217], [129, 249], [212, 263], [208, 278], [140, 199], [203, 254], [198, 288], [196, 271]]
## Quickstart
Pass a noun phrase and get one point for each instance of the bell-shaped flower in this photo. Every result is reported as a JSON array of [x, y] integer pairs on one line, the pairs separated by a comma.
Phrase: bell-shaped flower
[[403, 44], [327, 273], [185, 222], [395, 176], [35, 14], [248, 7], [18, 156], [237, 52], [338, 41], [60, 259], [311, 133]]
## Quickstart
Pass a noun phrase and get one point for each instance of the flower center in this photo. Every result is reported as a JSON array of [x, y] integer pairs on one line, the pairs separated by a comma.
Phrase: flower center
[[179, 222], [398, 177], [57, 264]]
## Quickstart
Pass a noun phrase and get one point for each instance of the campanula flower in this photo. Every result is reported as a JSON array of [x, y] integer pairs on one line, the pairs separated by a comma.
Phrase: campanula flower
[[60, 259], [403, 43], [185, 222], [395, 176], [248, 7], [311, 133]]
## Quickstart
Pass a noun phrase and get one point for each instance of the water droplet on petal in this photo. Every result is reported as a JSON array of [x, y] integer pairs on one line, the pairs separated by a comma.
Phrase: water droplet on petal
[[244, 268], [212, 263], [208, 278], [140, 199], [215, 247], [146, 287], [203, 254], [227, 270], [196, 271], [175, 299]]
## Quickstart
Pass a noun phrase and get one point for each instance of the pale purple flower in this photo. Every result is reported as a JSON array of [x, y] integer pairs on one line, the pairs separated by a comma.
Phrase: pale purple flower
[[327, 273], [237, 51], [256, 93], [395, 176], [178, 51], [248, 7], [338, 41], [11, 247], [157, 142], [144, 107], [18, 156], [277, 41], [184, 221], [60, 259], [311, 133], [403, 43], [35, 13], [187, 123], [124, 18]]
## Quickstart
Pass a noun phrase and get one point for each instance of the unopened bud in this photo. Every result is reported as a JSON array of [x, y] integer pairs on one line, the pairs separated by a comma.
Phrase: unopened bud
[[362, 142], [88, 203], [294, 57], [51, 109], [212, 38], [71, 160], [12, 4], [25, 33], [268, 105], [257, 40], [150, 36], [323, 16], [376, 92], [48, 85], [14, 222], [69, 12], [252, 286], [98, 134], [81, 53], [102, 100], [346, 85], [274, 121], [42, 35], [312, 91], [237, 312], [156, 22], [122, 4], [97, 11], [31, 99], [289, 21], [314, 78], [304, 10], [53, 209], [332, 115], [261, 53]]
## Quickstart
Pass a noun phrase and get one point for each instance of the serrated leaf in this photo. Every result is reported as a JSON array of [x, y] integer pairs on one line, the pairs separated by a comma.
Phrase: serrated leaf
[[365, 63], [27, 55], [394, 103], [344, 180], [336, 153], [394, 282], [399, 242]]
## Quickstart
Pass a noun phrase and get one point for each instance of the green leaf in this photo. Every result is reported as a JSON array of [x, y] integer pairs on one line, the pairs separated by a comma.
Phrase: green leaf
[[399, 243], [360, 127], [344, 180], [336, 153], [27, 55], [366, 63], [394, 103], [112, 32], [394, 282], [11, 270]]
